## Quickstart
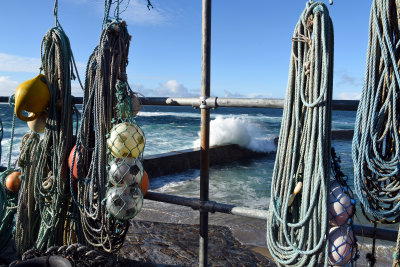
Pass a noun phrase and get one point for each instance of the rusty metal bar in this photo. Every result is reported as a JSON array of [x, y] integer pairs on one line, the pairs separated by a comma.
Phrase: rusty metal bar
[[212, 206], [205, 129], [216, 102]]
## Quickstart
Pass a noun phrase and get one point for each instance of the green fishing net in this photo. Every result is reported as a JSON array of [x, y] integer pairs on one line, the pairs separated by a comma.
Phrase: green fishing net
[[125, 143]]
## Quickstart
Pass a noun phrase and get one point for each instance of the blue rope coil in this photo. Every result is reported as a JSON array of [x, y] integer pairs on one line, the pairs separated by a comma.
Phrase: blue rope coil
[[376, 141]]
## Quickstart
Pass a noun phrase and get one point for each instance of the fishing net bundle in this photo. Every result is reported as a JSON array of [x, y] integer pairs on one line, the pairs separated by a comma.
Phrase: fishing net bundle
[[51, 173], [28, 214], [8, 207], [105, 140], [10, 182], [44, 196], [297, 223], [343, 249], [376, 141]]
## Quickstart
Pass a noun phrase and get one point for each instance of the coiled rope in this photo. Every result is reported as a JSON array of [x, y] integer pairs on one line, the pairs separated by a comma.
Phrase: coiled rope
[[57, 140], [44, 196], [296, 232], [376, 141], [106, 65], [27, 217]]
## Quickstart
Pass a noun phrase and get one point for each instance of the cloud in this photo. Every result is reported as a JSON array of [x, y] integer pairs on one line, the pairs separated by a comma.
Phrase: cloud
[[7, 86], [349, 96], [250, 95], [14, 63], [346, 79], [76, 89], [259, 95], [167, 89], [233, 95]]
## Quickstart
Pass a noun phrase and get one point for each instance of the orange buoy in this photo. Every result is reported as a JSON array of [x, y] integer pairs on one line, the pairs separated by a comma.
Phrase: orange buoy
[[144, 185], [75, 169], [13, 182]]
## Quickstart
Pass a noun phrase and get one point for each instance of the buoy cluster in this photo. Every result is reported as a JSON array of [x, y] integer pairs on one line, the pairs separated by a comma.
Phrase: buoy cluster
[[125, 142], [341, 236]]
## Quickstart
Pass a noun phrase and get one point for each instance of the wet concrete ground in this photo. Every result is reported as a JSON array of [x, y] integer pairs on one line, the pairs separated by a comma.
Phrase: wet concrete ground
[[177, 245]]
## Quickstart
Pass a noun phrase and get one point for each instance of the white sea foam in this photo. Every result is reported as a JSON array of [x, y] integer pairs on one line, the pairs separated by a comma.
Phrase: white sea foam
[[252, 117], [243, 132]]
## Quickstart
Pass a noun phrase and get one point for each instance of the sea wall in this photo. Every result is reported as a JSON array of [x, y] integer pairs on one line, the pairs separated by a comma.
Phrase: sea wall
[[182, 160], [179, 161]]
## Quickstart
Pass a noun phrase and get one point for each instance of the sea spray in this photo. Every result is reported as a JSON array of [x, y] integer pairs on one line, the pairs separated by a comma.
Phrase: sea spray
[[240, 131]]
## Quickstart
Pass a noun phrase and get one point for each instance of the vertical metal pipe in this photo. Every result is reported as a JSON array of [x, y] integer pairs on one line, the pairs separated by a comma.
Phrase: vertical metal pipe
[[205, 130]]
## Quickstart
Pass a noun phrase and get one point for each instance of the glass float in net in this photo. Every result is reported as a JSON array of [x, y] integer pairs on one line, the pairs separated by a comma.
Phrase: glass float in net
[[124, 203], [125, 171], [342, 245]]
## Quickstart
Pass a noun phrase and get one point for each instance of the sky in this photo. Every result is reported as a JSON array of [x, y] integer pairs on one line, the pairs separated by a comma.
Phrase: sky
[[250, 44]]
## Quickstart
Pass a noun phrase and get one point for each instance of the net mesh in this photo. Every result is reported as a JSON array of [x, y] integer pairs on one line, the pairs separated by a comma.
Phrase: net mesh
[[125, 142], [343, 250]]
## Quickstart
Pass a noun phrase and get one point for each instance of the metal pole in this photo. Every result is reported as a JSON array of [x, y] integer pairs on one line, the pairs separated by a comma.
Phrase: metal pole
[[211, 206], [216, 102], [205, 129]]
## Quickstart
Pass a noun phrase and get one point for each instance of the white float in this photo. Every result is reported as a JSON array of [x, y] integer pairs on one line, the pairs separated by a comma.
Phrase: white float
[[123, 203], [125, 171], [340, 206], [126, 140], [39, 124], [341, 240]]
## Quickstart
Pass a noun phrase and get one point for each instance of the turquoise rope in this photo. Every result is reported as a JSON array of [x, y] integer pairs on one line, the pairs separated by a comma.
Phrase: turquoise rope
[[296, 233], [376, 141]]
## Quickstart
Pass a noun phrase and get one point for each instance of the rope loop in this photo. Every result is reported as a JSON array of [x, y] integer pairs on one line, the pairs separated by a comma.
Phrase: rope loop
[[297, 223]]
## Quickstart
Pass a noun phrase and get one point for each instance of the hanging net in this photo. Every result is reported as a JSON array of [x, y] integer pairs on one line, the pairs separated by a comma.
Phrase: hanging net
[[343, 249], [109, 147]]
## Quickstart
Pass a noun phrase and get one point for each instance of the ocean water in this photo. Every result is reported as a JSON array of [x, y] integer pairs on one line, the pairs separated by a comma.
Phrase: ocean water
[[168, 129], [246, 183]]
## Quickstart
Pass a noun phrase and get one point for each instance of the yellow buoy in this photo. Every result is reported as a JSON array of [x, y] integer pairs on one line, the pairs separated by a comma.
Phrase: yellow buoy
[[32, 96], [126, 140]]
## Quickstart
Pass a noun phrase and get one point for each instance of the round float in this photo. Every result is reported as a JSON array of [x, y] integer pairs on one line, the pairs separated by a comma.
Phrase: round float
[[124, 203], [125, 171], [341, 240], [13, 182], [126, 140], [340, 207]]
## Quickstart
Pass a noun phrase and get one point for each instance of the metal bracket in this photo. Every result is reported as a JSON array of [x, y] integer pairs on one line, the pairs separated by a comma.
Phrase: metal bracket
[[207, 206], [203, 102], [208, 102]]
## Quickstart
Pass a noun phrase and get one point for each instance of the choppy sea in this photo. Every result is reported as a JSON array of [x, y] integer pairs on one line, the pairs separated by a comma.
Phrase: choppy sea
[[246, 183]]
